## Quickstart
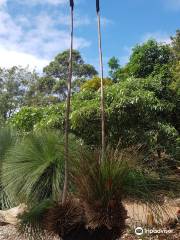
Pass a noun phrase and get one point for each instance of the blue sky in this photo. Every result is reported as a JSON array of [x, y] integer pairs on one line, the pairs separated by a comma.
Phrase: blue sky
[[32, 32]]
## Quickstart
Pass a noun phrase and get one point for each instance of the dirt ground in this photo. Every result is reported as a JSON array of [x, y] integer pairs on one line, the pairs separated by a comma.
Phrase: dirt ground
[[139, 215], [9, 232]]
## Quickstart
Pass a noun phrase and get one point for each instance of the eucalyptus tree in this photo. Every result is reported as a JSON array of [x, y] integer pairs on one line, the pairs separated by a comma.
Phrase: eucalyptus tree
[[56, 73]]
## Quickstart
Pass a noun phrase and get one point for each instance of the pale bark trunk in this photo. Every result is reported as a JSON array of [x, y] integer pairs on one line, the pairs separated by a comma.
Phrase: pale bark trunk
[[68, 105], [102, 87]]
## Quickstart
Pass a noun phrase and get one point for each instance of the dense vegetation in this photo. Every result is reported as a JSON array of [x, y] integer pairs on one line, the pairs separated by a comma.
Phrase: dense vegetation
[[141, 100], [142, 114]]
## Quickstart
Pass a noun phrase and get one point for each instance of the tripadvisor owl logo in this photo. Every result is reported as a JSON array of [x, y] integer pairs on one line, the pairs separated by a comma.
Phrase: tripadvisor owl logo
[[139, 231]]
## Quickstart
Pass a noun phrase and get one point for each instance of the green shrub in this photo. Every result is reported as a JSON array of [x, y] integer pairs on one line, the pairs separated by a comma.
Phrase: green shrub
[[95, 83], [137, 111], [26, 118]]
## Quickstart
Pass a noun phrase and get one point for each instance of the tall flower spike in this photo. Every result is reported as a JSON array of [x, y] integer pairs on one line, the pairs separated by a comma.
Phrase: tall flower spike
[[97, 6], [72, 4], [102, 83], [68, 107]]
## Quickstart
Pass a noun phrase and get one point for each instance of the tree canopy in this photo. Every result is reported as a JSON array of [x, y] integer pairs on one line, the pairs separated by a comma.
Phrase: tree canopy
[[142, 106], [14, 84], [56, 73]]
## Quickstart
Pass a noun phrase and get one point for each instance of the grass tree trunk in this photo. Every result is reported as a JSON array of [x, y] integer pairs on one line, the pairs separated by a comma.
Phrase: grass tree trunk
[[68, 106], [102, 77]]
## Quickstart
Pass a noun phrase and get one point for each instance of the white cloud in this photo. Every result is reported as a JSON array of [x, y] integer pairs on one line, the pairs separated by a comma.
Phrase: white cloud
[[34, 39], [161, 37], [2, 2], [46, 40], [34, 2], [172, 4], [78, 20], [15, 58]]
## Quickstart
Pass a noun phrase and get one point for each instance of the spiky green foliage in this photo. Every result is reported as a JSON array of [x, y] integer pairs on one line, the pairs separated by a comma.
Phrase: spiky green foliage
[[102, 186], [8, 137], [99, 186], [98, 181], [147, 188], [34, 169]]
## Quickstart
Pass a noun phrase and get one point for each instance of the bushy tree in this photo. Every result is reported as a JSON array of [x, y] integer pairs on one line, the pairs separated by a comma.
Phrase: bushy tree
[[176, 68], [148, 58], [56, 73], [116, 72], [21, 87], [14, 83], [113, 66], [176, 45]]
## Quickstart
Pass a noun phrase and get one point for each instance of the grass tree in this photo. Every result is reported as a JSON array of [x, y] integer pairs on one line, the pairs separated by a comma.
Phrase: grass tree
[[33, 168]]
